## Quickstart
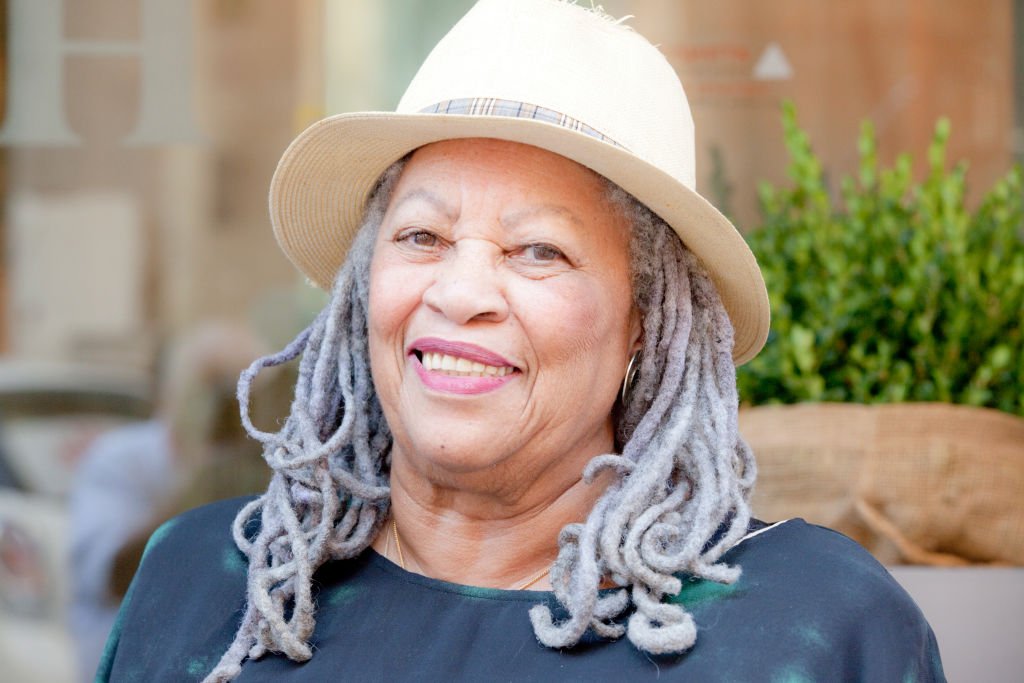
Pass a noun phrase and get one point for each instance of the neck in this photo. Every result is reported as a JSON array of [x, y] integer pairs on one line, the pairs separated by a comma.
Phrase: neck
[[470, 540]]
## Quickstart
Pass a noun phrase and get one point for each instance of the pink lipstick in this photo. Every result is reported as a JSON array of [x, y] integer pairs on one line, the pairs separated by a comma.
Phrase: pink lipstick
[[459, 367]]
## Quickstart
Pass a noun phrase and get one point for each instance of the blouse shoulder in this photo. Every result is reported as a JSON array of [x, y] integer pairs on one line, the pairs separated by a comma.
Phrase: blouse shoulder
[[814, 557], [210, 519], [798, 559], [819, 589], [191, 572], [199, 533]]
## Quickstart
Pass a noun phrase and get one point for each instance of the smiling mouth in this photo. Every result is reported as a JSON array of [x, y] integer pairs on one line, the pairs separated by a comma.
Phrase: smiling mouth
[[456, 366]]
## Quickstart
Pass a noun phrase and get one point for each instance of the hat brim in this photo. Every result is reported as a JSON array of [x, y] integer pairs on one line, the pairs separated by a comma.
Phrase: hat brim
[[321, 185]]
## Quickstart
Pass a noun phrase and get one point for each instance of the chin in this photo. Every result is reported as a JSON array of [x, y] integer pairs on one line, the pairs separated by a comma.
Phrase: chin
[[454, 457]]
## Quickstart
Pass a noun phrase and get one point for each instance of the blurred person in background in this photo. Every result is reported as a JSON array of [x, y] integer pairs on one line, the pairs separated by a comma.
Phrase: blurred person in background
[[134, 478]]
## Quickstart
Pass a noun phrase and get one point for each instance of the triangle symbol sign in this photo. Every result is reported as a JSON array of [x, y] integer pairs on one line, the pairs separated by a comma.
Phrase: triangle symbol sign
[[773, 65]]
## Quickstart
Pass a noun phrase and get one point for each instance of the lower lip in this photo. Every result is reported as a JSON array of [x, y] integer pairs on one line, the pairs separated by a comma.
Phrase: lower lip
[[451, 384]]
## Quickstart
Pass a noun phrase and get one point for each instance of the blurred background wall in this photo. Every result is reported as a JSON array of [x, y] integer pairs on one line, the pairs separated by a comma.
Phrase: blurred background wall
[[140, 135], [136, 167]]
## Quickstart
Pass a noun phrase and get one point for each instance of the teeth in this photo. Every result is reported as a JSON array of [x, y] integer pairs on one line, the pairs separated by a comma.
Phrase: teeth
[[461, 367]]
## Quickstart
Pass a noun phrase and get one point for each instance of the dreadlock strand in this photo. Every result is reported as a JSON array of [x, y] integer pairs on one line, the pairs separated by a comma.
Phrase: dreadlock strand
[[642, 487], [690, 473], [315, 505], [245, 380]]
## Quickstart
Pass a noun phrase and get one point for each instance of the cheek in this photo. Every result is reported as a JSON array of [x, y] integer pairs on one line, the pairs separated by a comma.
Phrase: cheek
[[585, 323], [391, 303], [389, 309], [380, 312]]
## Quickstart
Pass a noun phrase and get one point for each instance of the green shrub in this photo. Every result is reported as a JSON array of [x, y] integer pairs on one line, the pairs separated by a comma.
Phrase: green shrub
[[902, 293]]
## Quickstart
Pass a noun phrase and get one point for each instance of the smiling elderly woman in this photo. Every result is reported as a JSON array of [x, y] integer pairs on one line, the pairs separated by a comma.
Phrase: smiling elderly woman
[[524, 379]]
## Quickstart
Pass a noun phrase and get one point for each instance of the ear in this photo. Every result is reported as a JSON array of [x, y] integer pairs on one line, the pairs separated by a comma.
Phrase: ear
[[636, 331]]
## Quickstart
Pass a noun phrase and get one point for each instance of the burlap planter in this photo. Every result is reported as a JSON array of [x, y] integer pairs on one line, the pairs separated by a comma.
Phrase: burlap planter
[[923, 483]]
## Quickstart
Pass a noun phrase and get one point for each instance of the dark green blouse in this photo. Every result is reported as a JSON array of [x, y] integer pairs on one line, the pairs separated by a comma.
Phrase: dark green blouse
[[811, 605]]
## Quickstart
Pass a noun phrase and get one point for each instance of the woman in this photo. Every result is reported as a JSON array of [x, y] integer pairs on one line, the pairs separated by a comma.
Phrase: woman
[[524, 380]]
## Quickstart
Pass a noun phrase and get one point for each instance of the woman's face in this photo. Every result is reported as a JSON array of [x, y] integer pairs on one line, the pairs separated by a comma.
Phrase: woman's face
[[501, 317]]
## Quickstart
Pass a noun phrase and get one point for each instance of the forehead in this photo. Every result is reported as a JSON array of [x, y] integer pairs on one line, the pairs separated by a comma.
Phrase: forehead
[[499, 165]]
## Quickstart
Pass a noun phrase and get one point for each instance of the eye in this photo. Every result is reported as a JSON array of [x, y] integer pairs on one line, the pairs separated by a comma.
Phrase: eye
[[417, 237], [541, 253]]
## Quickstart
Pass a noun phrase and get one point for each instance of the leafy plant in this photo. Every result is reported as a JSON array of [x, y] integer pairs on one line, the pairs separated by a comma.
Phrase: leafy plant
[[900, 293]]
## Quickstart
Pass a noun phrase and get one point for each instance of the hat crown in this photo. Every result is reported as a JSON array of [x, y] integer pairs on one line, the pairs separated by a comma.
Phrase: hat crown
[[570, 60]]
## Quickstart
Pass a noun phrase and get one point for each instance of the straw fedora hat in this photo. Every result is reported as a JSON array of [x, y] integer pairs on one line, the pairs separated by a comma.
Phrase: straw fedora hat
[[541, 72]]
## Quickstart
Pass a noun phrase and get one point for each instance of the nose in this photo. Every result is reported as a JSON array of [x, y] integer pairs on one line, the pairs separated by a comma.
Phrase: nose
[[468, 285]]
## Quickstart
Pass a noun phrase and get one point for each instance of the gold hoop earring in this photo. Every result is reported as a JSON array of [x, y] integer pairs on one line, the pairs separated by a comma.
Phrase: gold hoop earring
[[631, 371]]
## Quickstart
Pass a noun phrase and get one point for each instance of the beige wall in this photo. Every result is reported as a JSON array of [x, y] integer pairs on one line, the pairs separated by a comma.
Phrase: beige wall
[[156, 237], [165, 234], [900, 63]]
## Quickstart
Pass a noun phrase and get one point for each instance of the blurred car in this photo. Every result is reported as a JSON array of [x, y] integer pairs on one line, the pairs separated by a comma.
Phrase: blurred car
[[49, 413]]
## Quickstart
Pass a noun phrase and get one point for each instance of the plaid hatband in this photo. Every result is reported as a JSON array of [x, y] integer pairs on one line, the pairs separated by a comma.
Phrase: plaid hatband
[[491, 106]]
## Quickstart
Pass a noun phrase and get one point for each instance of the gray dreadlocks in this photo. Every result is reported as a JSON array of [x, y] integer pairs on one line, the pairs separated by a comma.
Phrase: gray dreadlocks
[[683, 472]]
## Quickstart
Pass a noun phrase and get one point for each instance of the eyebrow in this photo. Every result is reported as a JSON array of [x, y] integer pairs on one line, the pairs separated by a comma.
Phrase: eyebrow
[[429, 197], [510, 221], [518, 217]]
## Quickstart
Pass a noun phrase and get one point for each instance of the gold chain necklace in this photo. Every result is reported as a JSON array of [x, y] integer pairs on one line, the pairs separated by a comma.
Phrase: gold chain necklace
[[401, 558]]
